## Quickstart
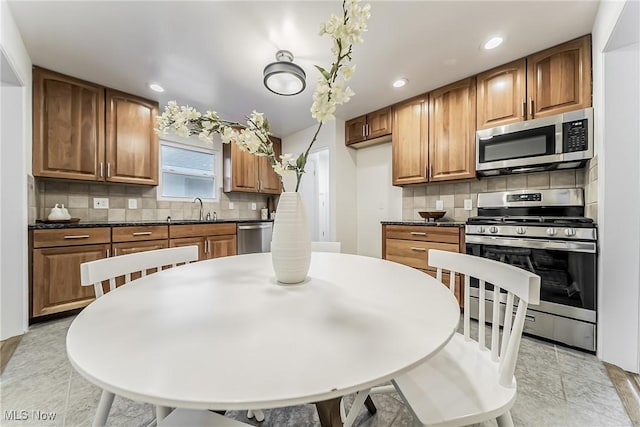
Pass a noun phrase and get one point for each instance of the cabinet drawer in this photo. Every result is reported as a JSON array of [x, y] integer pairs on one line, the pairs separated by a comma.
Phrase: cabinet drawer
[[71, 236], [196, 230], [134, 234], [424, 233], [414, 253]]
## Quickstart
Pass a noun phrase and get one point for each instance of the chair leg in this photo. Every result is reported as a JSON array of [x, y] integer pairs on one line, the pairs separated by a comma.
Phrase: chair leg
[[162, 412], [104, 406], [371, 407], [505, 420], [360, 399], [257, 413]]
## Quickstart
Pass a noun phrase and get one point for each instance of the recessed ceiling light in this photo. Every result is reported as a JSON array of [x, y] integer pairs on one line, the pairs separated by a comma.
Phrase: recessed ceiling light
[[156, 87], [493, 43], [400, 82]]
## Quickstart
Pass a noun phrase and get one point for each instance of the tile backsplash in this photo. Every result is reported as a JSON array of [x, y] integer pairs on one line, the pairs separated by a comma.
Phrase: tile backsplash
[[78, 198], [423, 197]]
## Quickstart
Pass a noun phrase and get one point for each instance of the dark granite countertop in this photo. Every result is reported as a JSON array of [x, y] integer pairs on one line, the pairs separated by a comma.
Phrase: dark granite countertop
[[427, 224], [86, 224]]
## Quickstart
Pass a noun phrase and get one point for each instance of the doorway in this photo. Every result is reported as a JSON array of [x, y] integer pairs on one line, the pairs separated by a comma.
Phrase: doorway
[[314, 190]]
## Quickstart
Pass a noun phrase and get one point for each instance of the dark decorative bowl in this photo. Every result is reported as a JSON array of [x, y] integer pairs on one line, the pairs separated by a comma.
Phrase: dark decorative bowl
[[432, 215]]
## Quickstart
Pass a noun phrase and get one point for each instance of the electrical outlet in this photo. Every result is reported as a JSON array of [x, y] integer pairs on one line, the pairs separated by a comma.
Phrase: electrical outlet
[[467, 204], [133, 204], [439, 205], [100, 203], [253, 206], [230, 205]]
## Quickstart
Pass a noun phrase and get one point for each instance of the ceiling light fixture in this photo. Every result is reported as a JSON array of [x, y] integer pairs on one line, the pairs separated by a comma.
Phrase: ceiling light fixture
[[493, 43], [284, 77], [156, 87], [400, 82]]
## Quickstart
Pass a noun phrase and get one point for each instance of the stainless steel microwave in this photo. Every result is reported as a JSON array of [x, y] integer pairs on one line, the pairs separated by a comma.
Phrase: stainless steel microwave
[[563, 141]]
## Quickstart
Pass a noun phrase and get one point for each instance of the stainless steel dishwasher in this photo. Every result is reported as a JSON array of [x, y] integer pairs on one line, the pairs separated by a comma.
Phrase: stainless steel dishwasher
[[254, 237]]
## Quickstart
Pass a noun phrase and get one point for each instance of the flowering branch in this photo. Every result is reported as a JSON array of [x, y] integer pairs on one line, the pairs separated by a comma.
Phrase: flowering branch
[[345, 31]]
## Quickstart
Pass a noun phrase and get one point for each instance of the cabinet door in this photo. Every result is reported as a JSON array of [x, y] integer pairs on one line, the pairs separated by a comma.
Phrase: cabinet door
[[240, 169], [452, 131], [191, 241], [502, 95], [132, 144], [409, 141], [379, 123], [56, 278], [269, 180], [354, 130], [219, 246], [68, 127], [559, 79]]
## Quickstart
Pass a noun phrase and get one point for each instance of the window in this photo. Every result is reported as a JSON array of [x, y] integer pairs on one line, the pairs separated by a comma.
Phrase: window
[[186, 172]]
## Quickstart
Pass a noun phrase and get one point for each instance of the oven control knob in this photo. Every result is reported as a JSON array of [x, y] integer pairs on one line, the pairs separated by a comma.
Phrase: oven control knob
[[521, 230], [551, 231], [570, 232], [480, 229], [493, 229]]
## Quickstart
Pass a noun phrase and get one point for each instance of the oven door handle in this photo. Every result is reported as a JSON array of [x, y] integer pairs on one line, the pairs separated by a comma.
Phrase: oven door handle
[[556, 245]]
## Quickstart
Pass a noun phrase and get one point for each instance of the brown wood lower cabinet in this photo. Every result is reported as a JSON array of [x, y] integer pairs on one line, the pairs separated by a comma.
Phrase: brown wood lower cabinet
[[213, 240], [410, 244], [55, 259]]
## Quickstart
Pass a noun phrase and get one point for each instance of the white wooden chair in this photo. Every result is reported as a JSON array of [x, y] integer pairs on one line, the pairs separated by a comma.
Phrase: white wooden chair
[[465, 382], [93, 273]]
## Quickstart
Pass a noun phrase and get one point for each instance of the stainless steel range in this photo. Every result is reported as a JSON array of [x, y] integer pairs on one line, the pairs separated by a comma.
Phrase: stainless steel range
[[543, 231]]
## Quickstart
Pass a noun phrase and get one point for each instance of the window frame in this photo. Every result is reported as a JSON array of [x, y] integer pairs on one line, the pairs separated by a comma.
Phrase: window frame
[[192, 147]]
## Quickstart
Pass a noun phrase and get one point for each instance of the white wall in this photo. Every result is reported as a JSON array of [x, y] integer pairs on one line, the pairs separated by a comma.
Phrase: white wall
[[15, 163], [617, 132], [377, 199]]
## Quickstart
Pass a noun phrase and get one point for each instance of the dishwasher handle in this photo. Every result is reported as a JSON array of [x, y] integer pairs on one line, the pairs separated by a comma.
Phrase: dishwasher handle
[[254, 226]]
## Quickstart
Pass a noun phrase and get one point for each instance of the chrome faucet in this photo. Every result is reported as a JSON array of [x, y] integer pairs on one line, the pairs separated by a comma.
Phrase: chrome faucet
[[198, 199]]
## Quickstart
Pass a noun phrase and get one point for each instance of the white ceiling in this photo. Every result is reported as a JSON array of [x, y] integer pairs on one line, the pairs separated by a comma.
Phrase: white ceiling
[[211, 54]]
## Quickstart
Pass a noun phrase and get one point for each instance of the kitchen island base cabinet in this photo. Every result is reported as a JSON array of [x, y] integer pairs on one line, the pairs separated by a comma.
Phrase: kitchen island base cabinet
[[410, 244]]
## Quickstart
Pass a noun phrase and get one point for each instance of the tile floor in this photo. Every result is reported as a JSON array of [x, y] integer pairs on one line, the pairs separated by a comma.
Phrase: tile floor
[[556, 387]]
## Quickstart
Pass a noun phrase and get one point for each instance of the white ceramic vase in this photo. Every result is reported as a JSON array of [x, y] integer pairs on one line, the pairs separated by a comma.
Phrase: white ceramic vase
[[291, 241]]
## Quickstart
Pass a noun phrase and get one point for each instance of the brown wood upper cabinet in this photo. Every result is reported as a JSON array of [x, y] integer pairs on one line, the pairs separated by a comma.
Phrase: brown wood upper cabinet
[[69, 132], [132, 144], [550, 82], [371, 126], [559, 79], [68, 126], [409, 141], [248, 173], [502, 95], [452, 131]]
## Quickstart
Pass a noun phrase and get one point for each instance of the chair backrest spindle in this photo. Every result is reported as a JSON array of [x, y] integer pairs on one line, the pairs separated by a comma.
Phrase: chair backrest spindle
[[93, 273], [515, 281]]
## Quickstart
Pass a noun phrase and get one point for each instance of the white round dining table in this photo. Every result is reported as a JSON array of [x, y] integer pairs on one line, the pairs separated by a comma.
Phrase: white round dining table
[[224, 334]]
